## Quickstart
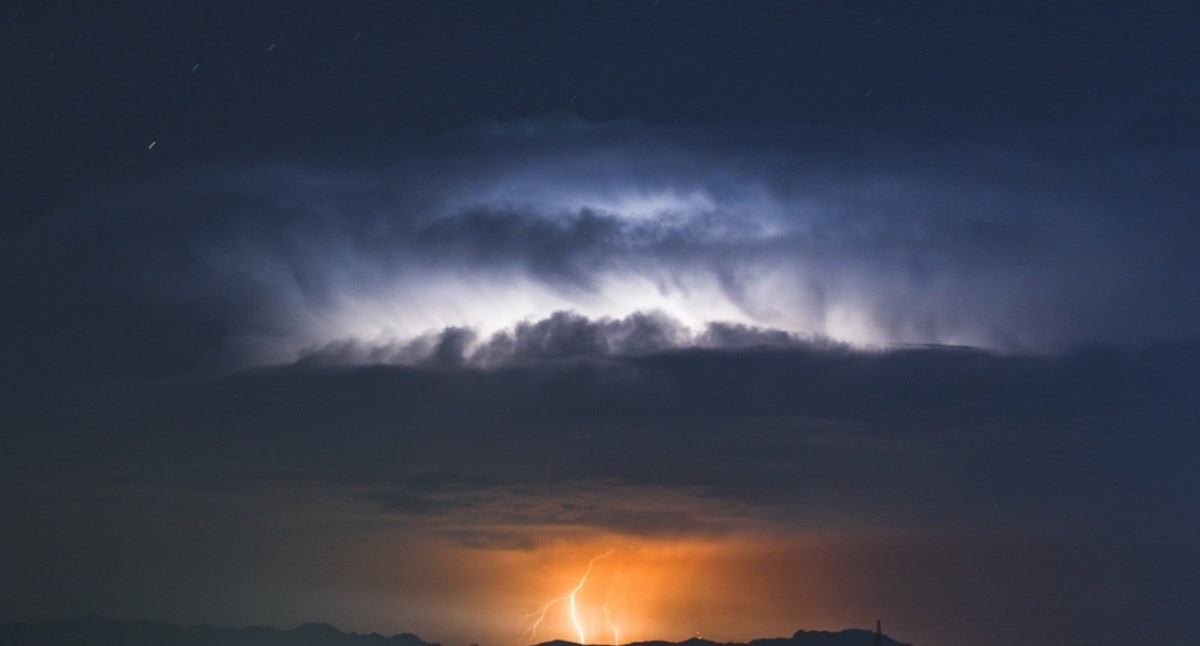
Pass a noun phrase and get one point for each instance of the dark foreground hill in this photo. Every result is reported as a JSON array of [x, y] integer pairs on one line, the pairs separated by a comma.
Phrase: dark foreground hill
[[97, 631], [852, 637]]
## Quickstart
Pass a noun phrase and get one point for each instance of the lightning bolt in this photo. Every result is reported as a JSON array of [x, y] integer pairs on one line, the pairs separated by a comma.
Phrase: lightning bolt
[[608, 619], [607, 616], [539, 615], [571, 596]]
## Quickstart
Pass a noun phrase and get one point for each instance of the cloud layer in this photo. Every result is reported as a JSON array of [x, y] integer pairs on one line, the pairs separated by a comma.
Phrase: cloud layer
[[561, 336], [875, 478], [530, 334], [817, 233]]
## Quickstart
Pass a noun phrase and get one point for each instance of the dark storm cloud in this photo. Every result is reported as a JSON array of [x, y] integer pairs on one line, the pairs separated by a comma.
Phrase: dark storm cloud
[[491, 540], [652, 330], [1077, 464], [797, 434], [820, 233]]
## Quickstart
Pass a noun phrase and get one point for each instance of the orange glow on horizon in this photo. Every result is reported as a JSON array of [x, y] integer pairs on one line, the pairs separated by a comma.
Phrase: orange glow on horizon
[[612, 592], [729, 587], [620, 589], [571, 603]]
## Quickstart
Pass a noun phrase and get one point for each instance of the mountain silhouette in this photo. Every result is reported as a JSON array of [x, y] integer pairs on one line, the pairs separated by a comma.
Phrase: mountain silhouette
[[91, 630], [849, 637]]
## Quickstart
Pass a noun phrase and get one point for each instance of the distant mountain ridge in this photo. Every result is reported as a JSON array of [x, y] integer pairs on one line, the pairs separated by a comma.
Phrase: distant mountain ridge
[[848, 637], [91, 630]]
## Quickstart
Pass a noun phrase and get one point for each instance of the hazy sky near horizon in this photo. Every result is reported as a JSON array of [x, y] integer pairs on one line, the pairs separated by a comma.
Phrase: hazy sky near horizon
[[737, 319]]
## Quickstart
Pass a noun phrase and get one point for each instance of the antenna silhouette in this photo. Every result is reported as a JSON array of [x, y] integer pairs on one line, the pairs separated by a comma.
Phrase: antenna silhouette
[[878, 633]]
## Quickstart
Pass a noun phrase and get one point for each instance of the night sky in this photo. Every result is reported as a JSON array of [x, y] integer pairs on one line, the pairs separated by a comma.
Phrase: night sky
[[401, 316]]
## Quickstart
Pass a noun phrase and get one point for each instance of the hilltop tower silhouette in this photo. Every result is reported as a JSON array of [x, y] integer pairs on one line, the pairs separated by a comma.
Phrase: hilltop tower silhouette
[[878, 633]]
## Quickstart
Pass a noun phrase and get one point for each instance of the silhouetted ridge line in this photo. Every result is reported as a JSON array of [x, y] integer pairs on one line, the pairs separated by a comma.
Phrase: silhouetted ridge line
[[848, 637], [92, 630]]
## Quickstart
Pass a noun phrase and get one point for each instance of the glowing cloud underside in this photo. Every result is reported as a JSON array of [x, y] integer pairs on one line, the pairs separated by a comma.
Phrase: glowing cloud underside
[[489, 304]]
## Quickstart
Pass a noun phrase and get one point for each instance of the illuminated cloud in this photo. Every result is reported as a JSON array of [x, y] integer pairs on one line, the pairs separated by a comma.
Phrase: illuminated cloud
[[817, 234]]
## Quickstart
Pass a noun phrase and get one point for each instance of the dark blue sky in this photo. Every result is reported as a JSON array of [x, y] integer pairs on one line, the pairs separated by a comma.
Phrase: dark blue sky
[[349, 312], [92, 84]]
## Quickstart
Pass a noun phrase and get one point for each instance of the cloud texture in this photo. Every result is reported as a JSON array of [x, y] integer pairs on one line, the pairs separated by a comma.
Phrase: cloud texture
[[817, 233], [972, 477], [528, 334]]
